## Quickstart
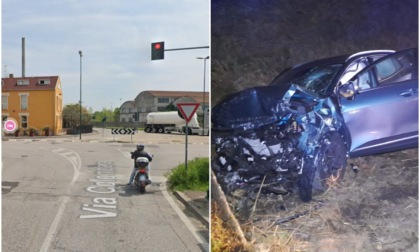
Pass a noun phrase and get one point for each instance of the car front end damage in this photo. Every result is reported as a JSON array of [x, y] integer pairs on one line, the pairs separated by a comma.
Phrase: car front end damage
[[272, 139]]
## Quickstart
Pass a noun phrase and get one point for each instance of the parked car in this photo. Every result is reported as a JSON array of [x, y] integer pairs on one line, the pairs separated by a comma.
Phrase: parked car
[[298, 131]]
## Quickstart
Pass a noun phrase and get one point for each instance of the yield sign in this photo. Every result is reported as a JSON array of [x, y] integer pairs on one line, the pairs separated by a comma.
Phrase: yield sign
[[187, 110]]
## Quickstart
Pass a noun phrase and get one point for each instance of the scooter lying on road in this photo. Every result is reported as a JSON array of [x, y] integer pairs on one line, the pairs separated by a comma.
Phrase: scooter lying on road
[[141, 178]]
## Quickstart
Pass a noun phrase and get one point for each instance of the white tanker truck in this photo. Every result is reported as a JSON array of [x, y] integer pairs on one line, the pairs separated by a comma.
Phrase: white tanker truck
[[171, 121]]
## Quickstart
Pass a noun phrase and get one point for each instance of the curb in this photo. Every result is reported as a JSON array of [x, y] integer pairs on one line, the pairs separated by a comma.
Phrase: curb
[[186, 201]]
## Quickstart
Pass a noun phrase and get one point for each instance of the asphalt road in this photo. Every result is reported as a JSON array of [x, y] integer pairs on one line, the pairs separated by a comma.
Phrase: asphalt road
[[61, 195]]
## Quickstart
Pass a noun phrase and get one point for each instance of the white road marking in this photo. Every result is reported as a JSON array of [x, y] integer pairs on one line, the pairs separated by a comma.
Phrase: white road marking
[[53, 228], [76, 162], [74, 159], [126, 154]]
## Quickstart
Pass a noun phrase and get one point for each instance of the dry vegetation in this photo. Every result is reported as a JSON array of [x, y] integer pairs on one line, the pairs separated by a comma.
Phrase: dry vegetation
[[373, 209]]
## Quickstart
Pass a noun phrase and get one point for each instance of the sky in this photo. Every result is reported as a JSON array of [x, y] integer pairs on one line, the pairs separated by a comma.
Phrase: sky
[[115, 39]]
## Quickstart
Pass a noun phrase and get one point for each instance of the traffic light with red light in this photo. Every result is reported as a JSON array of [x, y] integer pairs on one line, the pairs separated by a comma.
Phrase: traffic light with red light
[[158, 49]]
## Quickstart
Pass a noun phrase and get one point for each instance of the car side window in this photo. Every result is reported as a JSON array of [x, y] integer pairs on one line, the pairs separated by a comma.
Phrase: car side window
[[355, 67], [364, 81], [395, 69]]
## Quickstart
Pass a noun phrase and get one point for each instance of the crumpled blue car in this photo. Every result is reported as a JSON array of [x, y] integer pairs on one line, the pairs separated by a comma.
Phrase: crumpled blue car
[[296, 133]]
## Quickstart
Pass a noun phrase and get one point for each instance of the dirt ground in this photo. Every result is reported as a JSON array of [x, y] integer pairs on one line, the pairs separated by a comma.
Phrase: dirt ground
[[375, 208]]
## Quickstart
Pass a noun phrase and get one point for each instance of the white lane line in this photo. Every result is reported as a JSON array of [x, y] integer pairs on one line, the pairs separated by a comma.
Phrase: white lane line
[[53, 228], [183, 217], [76, 162], [126, 154]]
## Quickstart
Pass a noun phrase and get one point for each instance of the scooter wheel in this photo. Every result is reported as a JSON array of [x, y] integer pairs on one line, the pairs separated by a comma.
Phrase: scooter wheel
[[142, 189]]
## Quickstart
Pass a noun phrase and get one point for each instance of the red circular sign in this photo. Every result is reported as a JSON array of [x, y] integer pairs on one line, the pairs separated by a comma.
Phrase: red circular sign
[[10, 125]]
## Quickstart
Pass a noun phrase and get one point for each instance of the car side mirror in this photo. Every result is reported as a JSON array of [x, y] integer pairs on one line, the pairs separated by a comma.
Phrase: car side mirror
[[347, 90]]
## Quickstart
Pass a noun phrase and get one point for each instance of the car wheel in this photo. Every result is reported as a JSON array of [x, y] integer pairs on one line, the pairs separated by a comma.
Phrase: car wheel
[[160, 130], [327, 165], [147, 129]]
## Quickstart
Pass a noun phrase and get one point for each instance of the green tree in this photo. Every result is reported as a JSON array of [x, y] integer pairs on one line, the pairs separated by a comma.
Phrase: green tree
[[111, 116], [171, 107], [116, 114], [71, 115]]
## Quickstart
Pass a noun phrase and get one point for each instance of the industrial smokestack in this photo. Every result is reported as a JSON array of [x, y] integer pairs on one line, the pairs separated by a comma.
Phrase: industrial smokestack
[[23, 57]]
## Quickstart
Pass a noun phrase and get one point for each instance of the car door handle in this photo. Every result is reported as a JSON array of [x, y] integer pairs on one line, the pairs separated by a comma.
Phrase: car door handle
[[409, 92]]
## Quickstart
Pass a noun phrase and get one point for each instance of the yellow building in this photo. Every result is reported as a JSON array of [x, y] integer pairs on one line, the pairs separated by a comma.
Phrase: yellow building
[[33, 102]]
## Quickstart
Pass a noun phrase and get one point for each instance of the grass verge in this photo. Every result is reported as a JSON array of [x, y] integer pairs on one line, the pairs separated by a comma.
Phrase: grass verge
[[195, 177]]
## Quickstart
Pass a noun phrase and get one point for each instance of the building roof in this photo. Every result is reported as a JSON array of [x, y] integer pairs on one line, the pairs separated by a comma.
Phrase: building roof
[[29, 83], [128, 103], [198, 96]]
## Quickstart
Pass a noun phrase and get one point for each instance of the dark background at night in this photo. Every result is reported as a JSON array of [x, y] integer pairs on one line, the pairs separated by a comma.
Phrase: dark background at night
[[252, 41]]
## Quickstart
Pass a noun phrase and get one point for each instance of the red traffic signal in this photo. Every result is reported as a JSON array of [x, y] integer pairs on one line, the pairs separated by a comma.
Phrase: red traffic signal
[[158, 49]]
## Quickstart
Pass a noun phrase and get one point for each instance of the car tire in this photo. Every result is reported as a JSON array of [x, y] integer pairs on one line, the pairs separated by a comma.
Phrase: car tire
[[148, 130], [328, 163]]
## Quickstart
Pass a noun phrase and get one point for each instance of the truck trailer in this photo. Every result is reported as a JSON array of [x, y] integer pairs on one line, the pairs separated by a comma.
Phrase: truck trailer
[[170, 121]]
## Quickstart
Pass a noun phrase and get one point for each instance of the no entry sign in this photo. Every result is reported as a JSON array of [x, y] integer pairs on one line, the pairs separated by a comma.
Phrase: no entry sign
[[10, 125]]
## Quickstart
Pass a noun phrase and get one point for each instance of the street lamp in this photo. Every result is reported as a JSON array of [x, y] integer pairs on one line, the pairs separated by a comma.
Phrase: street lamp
[[204, 88], [80, 124]]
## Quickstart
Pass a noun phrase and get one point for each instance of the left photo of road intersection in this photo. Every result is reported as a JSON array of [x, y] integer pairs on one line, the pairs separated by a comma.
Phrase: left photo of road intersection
[[105, 134]]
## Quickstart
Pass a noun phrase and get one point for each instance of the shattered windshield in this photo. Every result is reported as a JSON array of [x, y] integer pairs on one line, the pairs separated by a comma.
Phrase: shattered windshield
[[316, 79]]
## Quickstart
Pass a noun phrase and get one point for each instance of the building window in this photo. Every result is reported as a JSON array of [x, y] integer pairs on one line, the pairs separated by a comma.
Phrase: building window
[[163, 100], [4, 102], [4, 118], [23, 82], [24, 101], [24, 122], [44, 82]]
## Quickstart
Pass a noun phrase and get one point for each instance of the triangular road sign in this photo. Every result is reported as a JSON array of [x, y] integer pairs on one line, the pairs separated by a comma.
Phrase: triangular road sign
[[187, 110]]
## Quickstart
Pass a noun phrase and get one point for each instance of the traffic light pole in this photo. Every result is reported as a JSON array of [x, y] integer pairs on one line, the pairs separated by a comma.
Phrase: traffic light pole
[[186, 48], [158, 50]]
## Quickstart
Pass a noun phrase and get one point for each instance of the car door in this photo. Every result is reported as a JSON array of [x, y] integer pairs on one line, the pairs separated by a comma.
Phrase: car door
[[383, 114]]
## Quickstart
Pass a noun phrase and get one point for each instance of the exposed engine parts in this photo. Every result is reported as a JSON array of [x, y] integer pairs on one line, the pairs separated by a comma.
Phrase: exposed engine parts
[[276, 147], [248, 157]]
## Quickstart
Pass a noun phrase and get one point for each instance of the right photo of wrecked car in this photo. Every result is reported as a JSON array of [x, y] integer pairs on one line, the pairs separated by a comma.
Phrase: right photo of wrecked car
[[314, 125]]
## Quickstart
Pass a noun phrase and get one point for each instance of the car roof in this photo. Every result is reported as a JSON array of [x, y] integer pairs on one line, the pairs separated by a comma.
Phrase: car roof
[[369, 52], [331, 60], [341, 58]]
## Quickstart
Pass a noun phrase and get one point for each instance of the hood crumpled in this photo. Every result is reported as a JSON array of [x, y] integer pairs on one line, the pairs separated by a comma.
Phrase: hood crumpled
[[255, 107]]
